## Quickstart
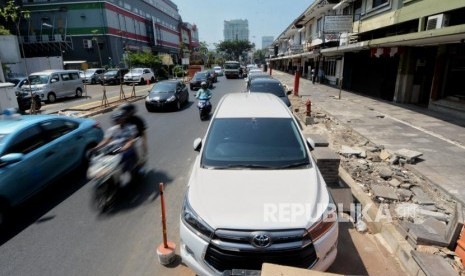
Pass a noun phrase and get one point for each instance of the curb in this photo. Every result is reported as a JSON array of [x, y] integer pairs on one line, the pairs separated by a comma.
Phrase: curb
[[383, 229]]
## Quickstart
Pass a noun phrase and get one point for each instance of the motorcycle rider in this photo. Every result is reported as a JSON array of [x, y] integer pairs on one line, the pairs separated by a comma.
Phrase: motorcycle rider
[[124, 134], [132, 118], [203, 93]]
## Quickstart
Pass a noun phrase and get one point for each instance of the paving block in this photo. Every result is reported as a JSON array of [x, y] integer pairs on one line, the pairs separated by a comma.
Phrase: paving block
[[320, 140], [433, 265], [454, 226]]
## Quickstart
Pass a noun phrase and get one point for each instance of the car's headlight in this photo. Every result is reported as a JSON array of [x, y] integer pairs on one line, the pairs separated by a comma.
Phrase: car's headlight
[[195, 223], [147, 98], [325, 223], [171, 99]]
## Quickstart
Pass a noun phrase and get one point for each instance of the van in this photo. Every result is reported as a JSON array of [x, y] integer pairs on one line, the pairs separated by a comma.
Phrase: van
[[53, 84]]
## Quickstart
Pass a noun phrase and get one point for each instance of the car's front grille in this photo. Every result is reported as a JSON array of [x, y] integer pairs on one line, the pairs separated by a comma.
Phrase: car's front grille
[[235, 250]]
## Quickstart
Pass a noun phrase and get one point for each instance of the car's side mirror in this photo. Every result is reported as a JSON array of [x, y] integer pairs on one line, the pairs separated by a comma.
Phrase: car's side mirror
[[197, 144], [289, 92], [311, 143], [10, 158], [53, 80]]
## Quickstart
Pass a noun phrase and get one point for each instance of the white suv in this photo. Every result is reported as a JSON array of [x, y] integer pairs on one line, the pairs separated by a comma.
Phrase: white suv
[[255, 194], [139, 75]]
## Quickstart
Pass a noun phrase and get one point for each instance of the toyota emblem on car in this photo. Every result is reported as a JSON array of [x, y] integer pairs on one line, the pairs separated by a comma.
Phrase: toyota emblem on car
[[261, 240]]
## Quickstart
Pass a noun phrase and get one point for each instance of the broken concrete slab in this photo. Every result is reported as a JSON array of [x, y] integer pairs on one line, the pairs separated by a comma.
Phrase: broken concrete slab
[[349, 152], [421, 197], [412, 211], [394, 183], [385, 173], [384, 192], [384, 155], [404, 193], [433, 265], [410, 156]]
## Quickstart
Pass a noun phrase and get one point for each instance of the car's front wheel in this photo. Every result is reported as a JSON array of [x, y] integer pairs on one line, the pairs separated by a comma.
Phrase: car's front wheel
[[78, 93], [178, 105], [51, 97]]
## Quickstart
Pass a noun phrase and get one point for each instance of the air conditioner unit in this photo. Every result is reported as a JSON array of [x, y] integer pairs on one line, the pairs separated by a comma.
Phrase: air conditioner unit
[[87, 43], [437, 21]]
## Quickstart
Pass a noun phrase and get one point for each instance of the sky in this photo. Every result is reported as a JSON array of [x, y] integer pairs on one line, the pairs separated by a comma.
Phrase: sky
[[265, 17]]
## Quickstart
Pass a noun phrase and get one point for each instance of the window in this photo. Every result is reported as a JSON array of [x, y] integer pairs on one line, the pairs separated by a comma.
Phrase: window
[[65, 77], [27, 140], [57, 128], [377, 3]]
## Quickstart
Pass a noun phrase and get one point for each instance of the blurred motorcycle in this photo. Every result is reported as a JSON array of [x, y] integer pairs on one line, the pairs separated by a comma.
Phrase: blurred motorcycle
[[205, 107], [24, 101], [107, 176]]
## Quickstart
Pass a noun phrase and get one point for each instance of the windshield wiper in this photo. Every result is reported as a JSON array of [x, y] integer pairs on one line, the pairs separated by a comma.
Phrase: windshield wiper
[[243, 166], [294, 165]]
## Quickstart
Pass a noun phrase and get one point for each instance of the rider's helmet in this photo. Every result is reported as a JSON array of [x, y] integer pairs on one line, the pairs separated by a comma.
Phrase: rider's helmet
[[129, 108], [118, 115], [203, 85]]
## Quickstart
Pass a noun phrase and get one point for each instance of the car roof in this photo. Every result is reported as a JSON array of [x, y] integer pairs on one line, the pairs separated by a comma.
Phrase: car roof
[[168, 81], [12, 125], [267, 80], [252, 105]]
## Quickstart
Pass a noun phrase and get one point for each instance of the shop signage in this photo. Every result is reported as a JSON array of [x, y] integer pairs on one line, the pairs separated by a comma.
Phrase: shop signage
[[338, 23]]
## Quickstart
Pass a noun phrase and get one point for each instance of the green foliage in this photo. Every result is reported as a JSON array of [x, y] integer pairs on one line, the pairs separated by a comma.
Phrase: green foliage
[[13, 13], [4, 31], [145, 58], [178, 71], [235, 48], [259, 56]]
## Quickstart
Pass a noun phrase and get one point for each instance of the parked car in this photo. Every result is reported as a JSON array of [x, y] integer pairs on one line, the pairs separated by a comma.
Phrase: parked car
[[139, 75], [82, 75], [253, 162], [256, 75], [18, 82], [53, 84], [198, 78], [273, 86], [218, 71], [35, 149], [113, 76], [167, 94], [93, 75]]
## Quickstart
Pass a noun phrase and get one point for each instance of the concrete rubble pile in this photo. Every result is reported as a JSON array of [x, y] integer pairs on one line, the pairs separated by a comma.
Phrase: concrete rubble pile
[[429, 220]]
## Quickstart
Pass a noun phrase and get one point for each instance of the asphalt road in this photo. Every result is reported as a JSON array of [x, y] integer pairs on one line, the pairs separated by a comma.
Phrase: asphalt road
[[58, 233]]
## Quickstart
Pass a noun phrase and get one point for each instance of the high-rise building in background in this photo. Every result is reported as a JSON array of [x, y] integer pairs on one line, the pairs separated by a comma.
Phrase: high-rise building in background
[[267, 41], [237, 29]]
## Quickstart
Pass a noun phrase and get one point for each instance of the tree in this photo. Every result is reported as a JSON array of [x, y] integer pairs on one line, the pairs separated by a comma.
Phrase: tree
[[145, 58], [13, 13], [234, 49], [259, 56]]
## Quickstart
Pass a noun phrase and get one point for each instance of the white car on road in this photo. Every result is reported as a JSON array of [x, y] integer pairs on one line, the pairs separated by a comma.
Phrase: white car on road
[[255, 194], [139, 75]]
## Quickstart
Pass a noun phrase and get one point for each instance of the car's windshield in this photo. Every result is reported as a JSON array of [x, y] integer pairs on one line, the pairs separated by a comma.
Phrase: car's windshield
[[38, 79], [231, 66], [136, 71], [200, 75], [90, 71], [217, 68], [270, 87], [2, 136], [111, 73], [163, 88], [254, 143]]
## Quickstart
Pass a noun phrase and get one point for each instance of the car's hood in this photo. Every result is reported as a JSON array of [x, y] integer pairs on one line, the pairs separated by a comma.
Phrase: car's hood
[[258, 199], [160, 96], [32, 86], [89, 74]]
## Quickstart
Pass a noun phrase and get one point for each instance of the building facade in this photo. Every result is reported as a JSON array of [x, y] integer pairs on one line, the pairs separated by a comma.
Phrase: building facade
[[267, 41], [237, 29], [405, 51], [101, 33]]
